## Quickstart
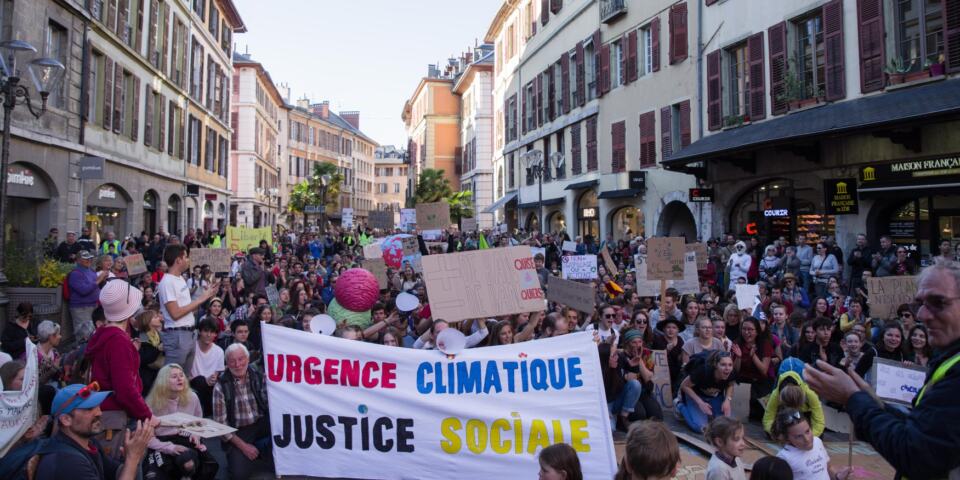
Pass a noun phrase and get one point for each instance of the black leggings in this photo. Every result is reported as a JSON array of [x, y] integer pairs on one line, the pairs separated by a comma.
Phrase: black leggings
[[161, 466], [647, 408]]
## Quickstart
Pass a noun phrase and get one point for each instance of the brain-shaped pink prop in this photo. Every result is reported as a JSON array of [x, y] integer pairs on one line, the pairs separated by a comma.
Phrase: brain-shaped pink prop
[[357, 290]]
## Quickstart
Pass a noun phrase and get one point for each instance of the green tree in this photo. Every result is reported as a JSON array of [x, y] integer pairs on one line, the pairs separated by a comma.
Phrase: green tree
[[300, 197], [432, 186], [461, 205], [332, 198]]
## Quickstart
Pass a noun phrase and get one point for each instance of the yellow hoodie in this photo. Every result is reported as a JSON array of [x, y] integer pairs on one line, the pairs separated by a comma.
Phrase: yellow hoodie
[[812, 407]]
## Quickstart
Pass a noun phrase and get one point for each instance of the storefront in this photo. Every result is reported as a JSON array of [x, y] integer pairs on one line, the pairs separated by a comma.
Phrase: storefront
[[173, 213], [588, 215], [778, 208], [556, 221], [150, 203], [626, 223], [107, 211], [30, 208]]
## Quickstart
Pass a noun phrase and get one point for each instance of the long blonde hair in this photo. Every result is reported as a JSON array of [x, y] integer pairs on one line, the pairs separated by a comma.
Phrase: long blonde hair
[[160, 393]]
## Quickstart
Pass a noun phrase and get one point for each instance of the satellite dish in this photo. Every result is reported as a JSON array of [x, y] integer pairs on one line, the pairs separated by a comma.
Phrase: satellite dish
[[323, 324], [451, 341]]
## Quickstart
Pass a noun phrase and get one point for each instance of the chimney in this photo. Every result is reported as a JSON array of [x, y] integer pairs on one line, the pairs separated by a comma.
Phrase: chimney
[[284, 90], [352, 117], [303, 103], [321, 109]]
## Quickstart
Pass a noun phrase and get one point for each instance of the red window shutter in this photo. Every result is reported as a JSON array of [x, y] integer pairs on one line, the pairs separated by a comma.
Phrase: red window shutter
[[758, 91], [148, 118], [581, 75], [632, 51], [538, 100], [624, 62], [138, 40], [135, 120], [575, 166], [655, 48], [678, 33], [605, 69], [163, 122], [152, 57], [685, 129], [107, 93], [870, 20], [648, 139], [618, 139], [951, 34], [551, 94], [833, 46], [777, 36], [592, 143], [556, 5], [523, 111], [714, 91], [235, 123], [544, 12], [597, 64], [565, 82], [118, 100], [121, 28], [666, 141]]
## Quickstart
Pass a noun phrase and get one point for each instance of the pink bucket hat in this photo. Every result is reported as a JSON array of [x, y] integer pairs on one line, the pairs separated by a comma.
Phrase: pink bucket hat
[[120, 300]]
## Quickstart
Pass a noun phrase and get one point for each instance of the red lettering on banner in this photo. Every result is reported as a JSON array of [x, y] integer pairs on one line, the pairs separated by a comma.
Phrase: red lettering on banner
[[368, 368], [389, 376], [331, 371], [524, 264], [311, 369], [531, 294], [350, 373], [293, 369]]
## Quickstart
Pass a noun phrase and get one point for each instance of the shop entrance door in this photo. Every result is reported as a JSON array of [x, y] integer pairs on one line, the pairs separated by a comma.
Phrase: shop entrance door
[[947, 228]]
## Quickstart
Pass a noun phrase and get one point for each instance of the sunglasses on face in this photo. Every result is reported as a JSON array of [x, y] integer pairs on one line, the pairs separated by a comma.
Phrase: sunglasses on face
[[609, 315]]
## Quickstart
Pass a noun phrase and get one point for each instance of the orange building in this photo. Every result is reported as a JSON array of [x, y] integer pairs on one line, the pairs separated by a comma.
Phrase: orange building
[[432, 120]]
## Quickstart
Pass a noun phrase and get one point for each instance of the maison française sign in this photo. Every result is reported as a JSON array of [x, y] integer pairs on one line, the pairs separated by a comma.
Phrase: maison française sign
[[840, 196], [926, 169]]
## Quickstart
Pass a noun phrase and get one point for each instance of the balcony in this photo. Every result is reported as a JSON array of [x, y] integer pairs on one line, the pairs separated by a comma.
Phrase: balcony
[[611, 9]]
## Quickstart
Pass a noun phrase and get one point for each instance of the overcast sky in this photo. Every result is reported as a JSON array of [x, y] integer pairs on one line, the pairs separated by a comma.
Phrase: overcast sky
[[365, 55]]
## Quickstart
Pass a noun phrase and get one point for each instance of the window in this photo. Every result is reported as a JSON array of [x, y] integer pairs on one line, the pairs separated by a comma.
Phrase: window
[[213, 25], [388, 172], [56, 48], [528, 108], [562, 167], [96, 95], [157, 33], [194, 132], [199, 7], [616, 60], [547, 160], [396, 188], [557, 83], [175, 127], [809, 60], [738, 81], [210, 150], [129, 104], [919, 32], [590, 71], [512, 166], [572, 100], [196, 71], [646, 50]]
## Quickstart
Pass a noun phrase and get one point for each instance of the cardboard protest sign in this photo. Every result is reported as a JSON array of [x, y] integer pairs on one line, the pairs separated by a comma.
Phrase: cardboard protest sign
[[433, 216], [432, 234], [569, 246], [346, 218], [665, 258], [482, 283], [579, 267], [690, 282], [896, 382], [702, 256], [645, 286], [19, 408], [408, 219], [580, 296], [468, 224], [502, 228], [201, 427], [242, 239], [740, 405], [135, 264], [661, 379], [378, 267], [410, 246], [392, 413], [218, 259], [608, 262], [373, 250], [380, 219], [273, 295], [885, 294], [748, 297]]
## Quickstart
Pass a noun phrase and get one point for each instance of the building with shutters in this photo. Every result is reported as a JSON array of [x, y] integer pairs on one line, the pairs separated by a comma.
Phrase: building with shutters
[[831, 118], [474, 87], [157, 109], [390, 179], [257, 110]]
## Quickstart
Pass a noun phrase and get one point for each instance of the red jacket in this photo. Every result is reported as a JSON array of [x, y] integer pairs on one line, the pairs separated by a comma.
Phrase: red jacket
[[115, 365]]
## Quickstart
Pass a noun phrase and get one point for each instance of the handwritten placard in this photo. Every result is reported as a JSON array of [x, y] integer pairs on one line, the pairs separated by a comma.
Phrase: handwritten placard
[[569, 246], [665, 258], [373, 250], [273, 295], [410, 246], [896, 382], [408, 219], [218, 259], [469, 224], [690, 282], [380, 219], [608, 261], [579, 296], [661, 379], [645, 286], [748, 297], [579, 267], [378, 267], [433, 216], [885, 294], [135, 264], [702, 256]]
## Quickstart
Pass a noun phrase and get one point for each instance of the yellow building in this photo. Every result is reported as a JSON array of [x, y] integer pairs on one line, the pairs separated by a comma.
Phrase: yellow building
[[390, 179]]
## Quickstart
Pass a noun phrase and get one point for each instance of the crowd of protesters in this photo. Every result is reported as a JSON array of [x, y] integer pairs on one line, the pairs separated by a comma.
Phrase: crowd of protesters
[[183, 339]]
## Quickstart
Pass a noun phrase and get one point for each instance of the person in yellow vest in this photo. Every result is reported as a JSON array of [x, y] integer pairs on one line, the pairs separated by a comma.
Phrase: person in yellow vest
[[110, 246], [924, 442]]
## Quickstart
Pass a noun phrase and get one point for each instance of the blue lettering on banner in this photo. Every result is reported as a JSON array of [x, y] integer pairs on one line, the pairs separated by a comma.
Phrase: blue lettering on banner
[[476, 377]]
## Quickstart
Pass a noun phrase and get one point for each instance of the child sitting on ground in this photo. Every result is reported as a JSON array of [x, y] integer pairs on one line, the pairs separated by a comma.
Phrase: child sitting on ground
[[802, 450], [652, 453], [726, 435], [792, 392]]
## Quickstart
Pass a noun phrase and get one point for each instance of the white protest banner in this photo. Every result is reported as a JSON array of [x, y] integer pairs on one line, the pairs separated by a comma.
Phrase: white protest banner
[[579, 267], [569, 246], [576, 295], [468, 224], [18, 408], [896, 382], [690, 282], [135, 264], [365, 411], [346, 218], [432, 234], [408, 219], [885, 294], [433, 216], [218, 259], [748, 297], [482, 283]]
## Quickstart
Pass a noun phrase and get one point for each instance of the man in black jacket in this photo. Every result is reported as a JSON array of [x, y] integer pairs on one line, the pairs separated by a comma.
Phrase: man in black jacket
[[859, 260]]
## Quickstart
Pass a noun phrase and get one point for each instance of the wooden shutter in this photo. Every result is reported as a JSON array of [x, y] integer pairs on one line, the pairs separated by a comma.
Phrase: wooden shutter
[[714, 91], [538, 100], [135, 111], [655, 48], [678, 33], [523, 111], [111, 15], [118, 100], [138, 30], [624, 62], [121, 27], [632, 50], [148, 118], [565, 82], [604, 69], [581, 75], [758, 91], [951, 34], [685, 128], [648, 139], [870, 20], [666, 140], [107, 93], [597, 65], [544, 11], [592, 143], [551, 93], [163, 122], [182, 136], [556, 5], [833, 46], [618, 134], [166, 40], [152, 55], [172, 128], [777, 37], [575, 166]]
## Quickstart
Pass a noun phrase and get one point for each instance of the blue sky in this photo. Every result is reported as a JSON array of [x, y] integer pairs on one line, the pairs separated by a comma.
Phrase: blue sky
[[365, 55]]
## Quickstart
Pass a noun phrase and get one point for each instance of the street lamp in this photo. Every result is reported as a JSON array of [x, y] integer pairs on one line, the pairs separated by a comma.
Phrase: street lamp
[[533, 160], [324, 183], [45, 74], [275, 194]]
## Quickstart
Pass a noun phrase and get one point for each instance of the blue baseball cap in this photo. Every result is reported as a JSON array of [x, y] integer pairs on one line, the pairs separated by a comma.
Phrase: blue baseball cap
[[76, 396]]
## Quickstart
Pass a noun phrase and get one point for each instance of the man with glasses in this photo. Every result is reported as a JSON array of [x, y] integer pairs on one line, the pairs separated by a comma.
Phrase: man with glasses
[[73, 454], [924, 442]]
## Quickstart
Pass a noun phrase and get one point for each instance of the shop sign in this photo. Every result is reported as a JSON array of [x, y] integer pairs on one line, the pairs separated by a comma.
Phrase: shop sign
[[210, 196], [91, 168], [904, 229], [20, 176], [589, 212], [193, 191], [638, 180], [776, 207], [910, 169], [701, 195], [107, 192], [840, 196]]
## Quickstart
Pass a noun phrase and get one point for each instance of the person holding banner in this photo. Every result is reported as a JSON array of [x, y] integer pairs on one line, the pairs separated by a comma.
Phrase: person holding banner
[[924, 442]]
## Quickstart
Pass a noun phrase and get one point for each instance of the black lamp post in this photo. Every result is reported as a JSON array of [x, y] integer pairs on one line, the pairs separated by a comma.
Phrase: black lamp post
[[536, 166]]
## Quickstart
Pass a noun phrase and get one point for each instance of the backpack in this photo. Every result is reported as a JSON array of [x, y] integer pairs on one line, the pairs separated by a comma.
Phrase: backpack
[[76, 367], [21, 463]]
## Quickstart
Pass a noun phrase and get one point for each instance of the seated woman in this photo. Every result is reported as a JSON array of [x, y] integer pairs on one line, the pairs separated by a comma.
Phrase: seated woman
[[753, 354], [707, 389], [172, 454], [792, 392], [673, 344], [636, 364]]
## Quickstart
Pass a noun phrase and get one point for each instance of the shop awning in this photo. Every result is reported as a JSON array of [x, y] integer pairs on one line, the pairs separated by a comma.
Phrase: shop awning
[[546, 202], [626, 193], [500, 202], [582, 185], [919, 103]]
